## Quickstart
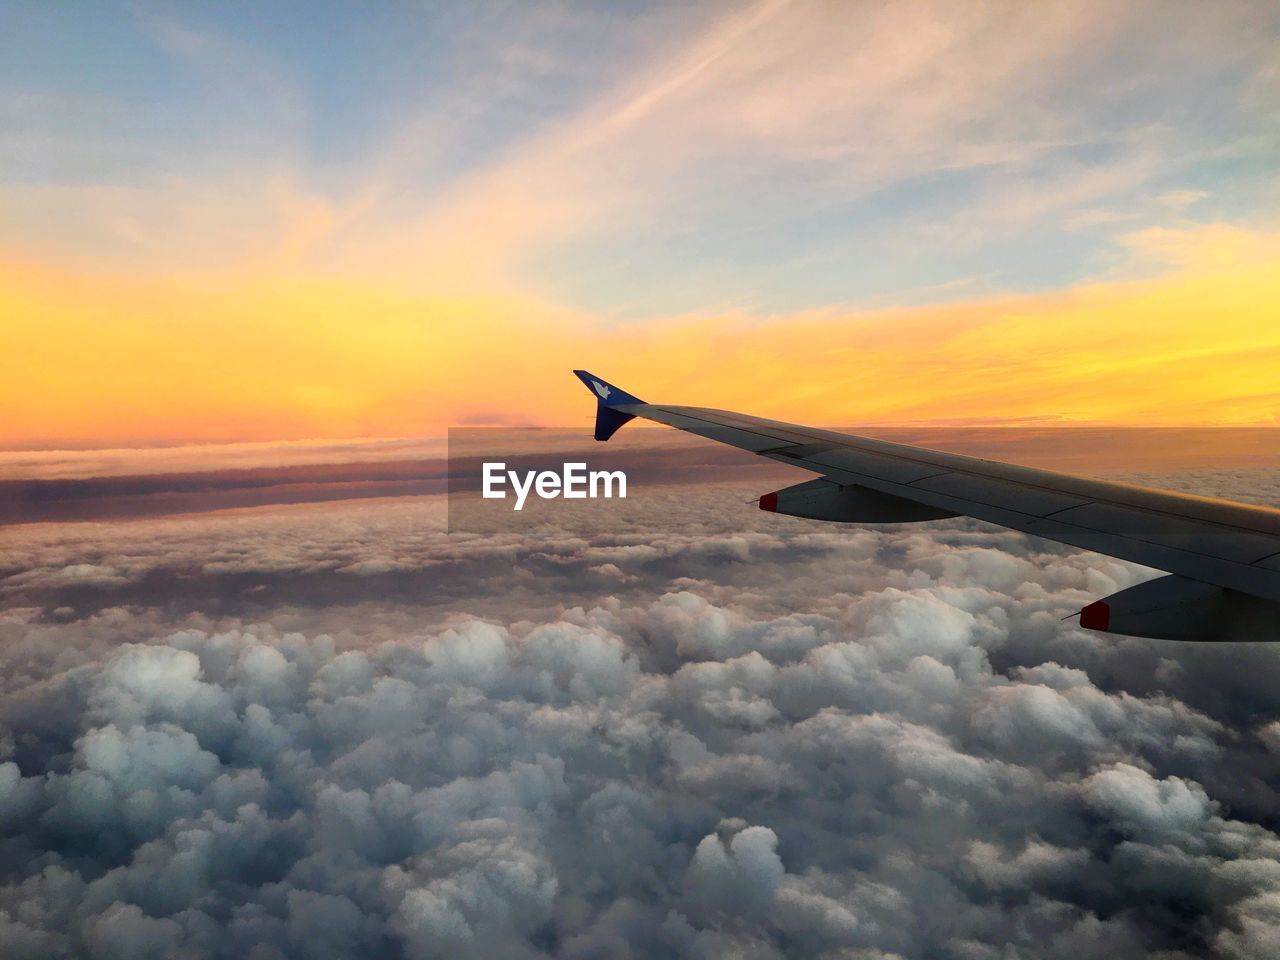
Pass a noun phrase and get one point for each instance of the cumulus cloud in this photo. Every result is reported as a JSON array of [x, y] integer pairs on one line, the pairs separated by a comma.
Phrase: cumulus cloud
[[713, 733]]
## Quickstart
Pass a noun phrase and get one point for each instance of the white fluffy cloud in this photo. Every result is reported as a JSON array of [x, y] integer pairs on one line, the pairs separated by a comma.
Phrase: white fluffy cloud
[[751, 737]]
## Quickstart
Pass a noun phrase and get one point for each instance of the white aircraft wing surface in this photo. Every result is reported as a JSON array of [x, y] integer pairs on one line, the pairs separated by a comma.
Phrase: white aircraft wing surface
[[1225, 556]]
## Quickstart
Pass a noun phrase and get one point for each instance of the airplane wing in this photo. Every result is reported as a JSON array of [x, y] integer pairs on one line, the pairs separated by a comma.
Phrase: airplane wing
[[1223, 557]]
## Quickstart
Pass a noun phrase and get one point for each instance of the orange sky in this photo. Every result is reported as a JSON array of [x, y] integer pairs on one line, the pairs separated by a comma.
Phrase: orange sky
[[846, 213], [108, 361]]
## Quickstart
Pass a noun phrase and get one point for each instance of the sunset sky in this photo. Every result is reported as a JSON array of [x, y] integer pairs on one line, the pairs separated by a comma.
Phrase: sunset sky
[[281, 280], [230, 223]]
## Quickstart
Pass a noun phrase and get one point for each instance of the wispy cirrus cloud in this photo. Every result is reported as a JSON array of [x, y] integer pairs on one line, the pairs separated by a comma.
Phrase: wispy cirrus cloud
[[741, 118], [703, 182]]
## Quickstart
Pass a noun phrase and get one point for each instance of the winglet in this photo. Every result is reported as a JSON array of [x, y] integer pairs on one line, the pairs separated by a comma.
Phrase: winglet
[[608, 397]]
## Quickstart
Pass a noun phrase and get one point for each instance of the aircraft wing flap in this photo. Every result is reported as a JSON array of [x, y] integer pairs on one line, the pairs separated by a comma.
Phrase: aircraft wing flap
[[875, 464], [1197, 536], [1034, 501]]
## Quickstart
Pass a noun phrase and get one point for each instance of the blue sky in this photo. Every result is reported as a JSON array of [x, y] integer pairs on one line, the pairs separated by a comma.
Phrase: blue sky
[[780, 156]]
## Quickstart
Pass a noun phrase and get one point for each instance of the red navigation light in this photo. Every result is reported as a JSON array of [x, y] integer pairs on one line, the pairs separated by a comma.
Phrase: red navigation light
[[1096, 616], [769, 502]]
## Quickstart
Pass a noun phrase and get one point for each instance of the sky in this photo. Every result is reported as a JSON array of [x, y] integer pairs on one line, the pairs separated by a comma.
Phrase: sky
[[231, 223], [260, 696]]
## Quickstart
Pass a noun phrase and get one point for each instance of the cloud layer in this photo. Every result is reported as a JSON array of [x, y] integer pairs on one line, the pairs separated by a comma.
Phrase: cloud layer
[[719, 733]]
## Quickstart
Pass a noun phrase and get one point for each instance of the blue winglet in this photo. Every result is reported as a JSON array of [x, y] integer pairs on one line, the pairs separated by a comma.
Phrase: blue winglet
[[608, 419]]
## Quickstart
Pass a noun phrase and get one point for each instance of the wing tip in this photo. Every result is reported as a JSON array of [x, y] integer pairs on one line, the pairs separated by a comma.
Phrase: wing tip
[[606, 393]]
